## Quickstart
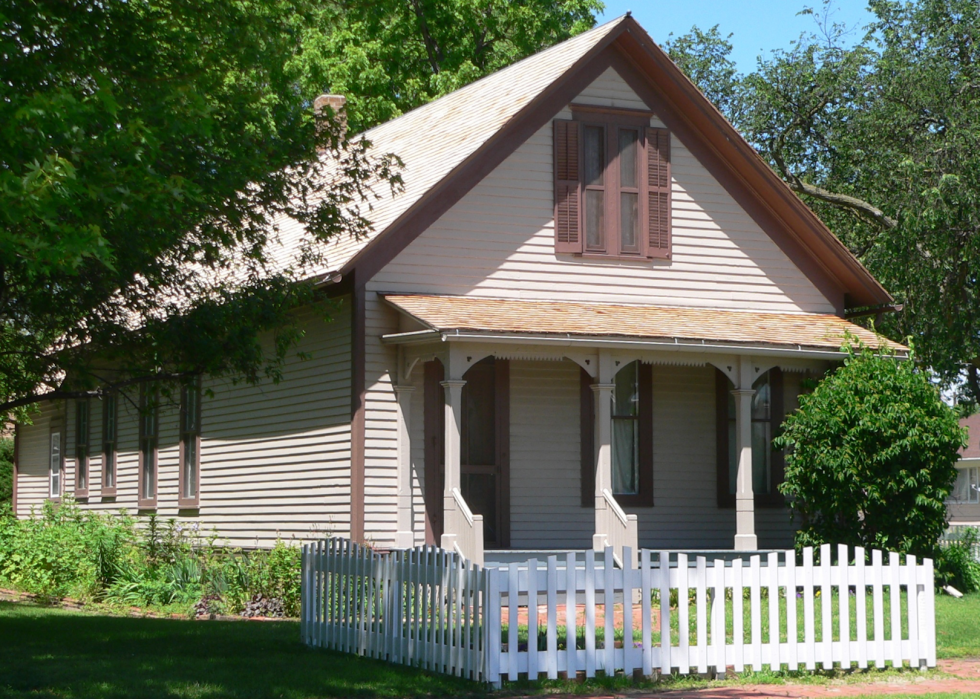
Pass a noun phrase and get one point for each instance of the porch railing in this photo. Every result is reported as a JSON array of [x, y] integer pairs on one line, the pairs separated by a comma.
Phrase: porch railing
[[466, 527], [614, 528]]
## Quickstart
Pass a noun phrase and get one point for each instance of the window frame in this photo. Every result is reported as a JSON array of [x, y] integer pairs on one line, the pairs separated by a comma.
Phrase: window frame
[[83, 474], [190, 434], [149, 434], [613, 121], [777, 462], [56, 434], [973, 496], [645, 435], [110, 440]]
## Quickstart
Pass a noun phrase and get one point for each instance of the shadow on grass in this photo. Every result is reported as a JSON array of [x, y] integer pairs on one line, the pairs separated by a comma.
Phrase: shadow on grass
[[54, 653]]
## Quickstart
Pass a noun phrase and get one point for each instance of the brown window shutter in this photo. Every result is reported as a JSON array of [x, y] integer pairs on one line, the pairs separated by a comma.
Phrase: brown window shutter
[[568, 219], [587, 423], [722, 388], [658, 193]]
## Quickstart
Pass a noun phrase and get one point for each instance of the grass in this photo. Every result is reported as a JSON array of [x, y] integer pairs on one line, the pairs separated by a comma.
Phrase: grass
[[52, 653], [48, 653]]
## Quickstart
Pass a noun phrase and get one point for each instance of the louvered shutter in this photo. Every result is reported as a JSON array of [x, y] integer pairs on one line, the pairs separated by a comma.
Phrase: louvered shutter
[[658, 193], [568, 219]]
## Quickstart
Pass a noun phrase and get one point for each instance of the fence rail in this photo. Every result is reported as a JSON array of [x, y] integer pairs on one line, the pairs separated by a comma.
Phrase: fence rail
[[430, 608]]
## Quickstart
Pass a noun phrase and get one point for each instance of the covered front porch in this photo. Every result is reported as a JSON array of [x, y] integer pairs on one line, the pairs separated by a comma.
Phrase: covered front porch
[[540, 439]]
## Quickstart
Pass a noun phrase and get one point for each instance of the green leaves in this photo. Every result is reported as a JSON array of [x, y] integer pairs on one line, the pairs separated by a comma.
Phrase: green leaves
[[870, 457]]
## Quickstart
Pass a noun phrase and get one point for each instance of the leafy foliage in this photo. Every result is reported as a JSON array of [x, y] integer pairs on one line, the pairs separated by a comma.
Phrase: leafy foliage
[[390, 56], [870, 457], [145, 148], [121, 560], [882, 139], [957, 566], [6, 471]]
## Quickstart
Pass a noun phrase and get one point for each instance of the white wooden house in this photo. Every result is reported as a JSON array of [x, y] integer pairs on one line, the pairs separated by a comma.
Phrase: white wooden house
[[578, 324], [963, 506]]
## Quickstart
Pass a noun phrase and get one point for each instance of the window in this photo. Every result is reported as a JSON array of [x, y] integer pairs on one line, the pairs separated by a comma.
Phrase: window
[[190, 445], [109, 423], [626, 432], [55, 466], [767, 416], [612, 184], [632, 436], [966, 490], [81, 448], [148, 448]]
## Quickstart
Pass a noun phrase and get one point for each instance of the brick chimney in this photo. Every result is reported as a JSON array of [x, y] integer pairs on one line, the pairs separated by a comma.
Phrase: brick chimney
[[335, 103]]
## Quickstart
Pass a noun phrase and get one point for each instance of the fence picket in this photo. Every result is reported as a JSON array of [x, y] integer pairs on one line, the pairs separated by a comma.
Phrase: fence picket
[[664, 570], [772, 568], [912, 607], [826, 610], [628, 664], [609, 616], [700, 581], [792, 633], [861, 610], [809, 633], [878, 609], [571, 617], [551, 664], [513, 596], [645, 605], [738, 617], [718, 617], [532, 619], [755, 580], [590, 614], [844, 617], [683, 618], [895, 596]]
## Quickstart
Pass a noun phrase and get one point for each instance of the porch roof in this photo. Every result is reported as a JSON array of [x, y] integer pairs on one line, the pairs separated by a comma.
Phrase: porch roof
[[454, 314]]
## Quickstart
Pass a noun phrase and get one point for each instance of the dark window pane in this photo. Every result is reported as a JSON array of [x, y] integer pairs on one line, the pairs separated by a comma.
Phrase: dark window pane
[[626, 457], [626, 396], [761, 451], [190, 468], [479, 426], [149, 470], [594, 219], [761, 401], [627, 158], [595, 154], [628, 221]]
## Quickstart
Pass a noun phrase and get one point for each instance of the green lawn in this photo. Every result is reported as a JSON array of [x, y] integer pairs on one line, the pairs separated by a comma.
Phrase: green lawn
[[53, 653], [48, 652]]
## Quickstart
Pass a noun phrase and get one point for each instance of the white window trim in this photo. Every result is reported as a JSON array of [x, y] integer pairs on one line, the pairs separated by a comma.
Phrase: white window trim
[[973, 485], [55, 469]]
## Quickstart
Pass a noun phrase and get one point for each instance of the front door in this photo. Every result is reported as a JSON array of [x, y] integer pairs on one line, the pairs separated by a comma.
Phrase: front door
[[484, 447]]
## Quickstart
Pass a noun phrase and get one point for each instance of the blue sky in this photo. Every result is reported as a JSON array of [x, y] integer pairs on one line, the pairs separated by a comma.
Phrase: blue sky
[[758, 26]]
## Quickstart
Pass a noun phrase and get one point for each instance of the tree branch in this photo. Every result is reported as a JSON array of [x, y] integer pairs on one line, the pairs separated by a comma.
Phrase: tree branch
[[431, 47], [863, 208]]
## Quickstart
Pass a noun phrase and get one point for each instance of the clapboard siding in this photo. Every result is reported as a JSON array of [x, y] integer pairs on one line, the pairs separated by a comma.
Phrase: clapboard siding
[[498, 241], [32, 459], [275, 458], [380, 425], [545, 483]]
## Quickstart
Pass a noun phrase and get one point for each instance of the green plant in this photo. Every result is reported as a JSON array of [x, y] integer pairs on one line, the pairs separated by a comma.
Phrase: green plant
[[6, 474], [870, 457], [956, 564]]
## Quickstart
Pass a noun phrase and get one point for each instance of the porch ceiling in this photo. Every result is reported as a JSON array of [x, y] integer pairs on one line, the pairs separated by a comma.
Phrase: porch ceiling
[[453, 314]]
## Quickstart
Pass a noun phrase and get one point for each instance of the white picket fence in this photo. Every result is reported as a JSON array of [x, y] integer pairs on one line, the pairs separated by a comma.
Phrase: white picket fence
[[421, 607], [429, 608]]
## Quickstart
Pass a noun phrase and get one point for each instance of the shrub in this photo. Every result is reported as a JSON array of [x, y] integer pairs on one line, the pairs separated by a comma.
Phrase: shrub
[[145, 563], [6, 473], [956, 564], [870, 457]]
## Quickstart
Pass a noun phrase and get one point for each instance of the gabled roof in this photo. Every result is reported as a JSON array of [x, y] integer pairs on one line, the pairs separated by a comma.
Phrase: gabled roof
[[450, 144], [678, 327]]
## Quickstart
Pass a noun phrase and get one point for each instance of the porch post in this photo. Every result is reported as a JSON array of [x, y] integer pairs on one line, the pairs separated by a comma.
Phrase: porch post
[[745, 537], [602, 391], [405, 535], [454, 425]]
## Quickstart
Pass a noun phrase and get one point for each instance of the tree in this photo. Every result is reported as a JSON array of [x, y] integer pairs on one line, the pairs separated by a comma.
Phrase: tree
[[390, 56], [882, 139], [870, 457], [146, 147]]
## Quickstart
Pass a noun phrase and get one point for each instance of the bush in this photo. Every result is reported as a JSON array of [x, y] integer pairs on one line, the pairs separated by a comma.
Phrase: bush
[[957, 566], [144, 563], [870, 457], [6, 473]]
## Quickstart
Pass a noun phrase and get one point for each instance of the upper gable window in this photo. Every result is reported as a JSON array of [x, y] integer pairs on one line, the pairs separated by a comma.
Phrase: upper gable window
[[612, 184]]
